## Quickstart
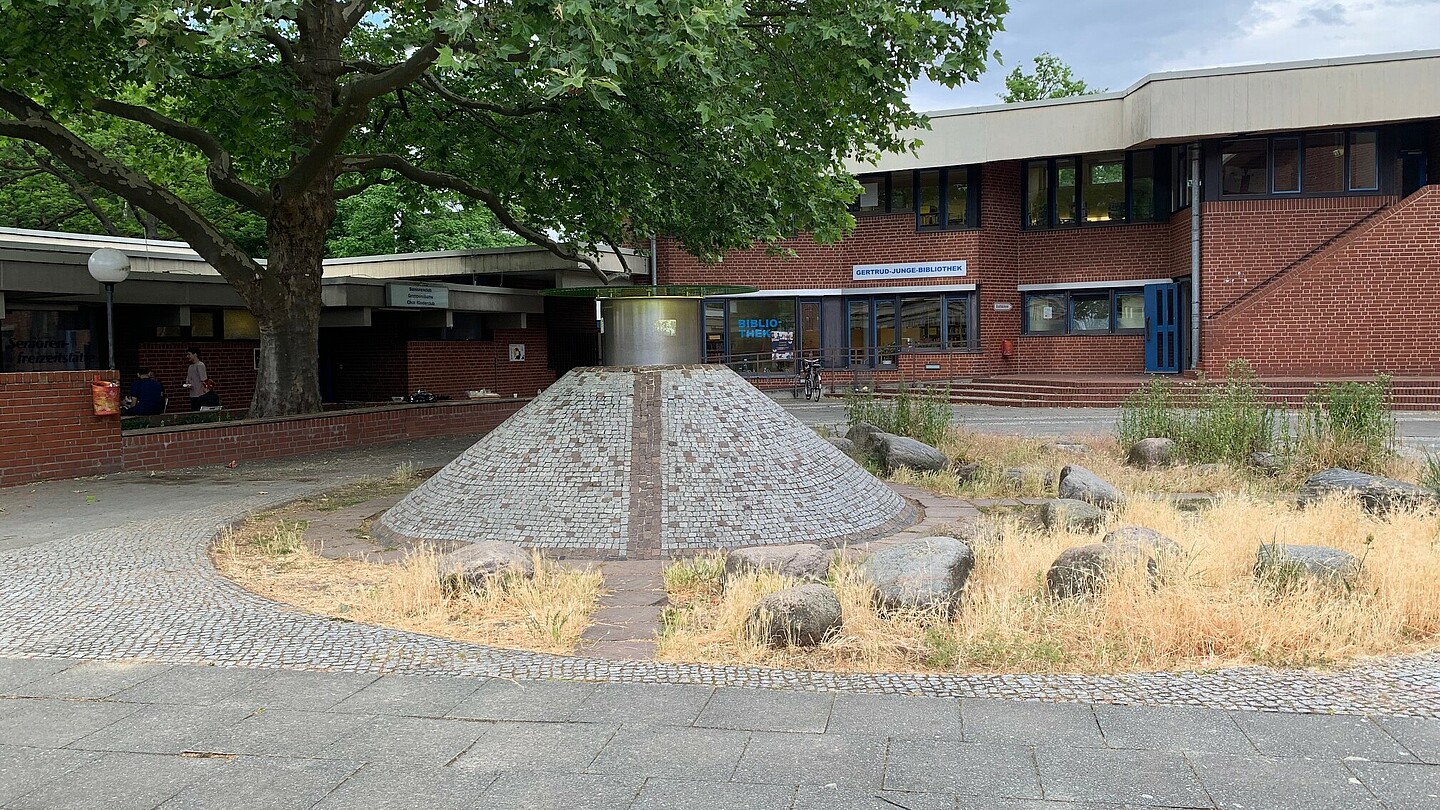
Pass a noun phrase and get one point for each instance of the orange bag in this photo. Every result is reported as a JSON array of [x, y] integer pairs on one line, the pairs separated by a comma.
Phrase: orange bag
[[105, 394]]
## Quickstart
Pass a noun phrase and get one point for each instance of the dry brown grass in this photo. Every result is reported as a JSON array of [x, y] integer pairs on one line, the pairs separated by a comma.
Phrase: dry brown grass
[[269, 555], [1208, 611]]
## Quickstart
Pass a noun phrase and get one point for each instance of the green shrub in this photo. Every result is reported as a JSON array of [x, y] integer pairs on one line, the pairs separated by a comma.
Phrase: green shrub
[[1350, 425], [920, 412], [1208, 421]]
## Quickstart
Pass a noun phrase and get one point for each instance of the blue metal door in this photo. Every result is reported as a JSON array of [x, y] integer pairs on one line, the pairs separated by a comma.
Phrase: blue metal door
[[1162, 328]]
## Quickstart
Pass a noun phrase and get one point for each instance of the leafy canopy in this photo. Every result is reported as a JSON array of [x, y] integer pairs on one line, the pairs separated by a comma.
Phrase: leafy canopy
[[1052, 79]]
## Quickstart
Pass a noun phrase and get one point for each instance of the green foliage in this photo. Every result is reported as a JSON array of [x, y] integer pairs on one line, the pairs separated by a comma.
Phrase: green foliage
[[1430, 472], [1052, 79], [1350, 425], [385, 219], [920, 412], [1208, 421]]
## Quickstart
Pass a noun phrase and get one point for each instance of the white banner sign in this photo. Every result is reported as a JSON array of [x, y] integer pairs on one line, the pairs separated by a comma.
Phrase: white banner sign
[[417, 295], [883, 272]]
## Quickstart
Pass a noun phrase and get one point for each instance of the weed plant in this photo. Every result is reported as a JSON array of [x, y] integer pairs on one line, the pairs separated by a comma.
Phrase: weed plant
[[1350, 425], [920, 412], [1209, 421]]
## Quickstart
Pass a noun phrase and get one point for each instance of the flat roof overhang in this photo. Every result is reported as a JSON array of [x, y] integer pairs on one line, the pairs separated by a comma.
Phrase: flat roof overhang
[[1181, 107]]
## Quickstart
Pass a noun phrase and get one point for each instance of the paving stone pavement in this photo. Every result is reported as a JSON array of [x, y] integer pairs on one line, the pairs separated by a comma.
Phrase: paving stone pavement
[[133, 675]]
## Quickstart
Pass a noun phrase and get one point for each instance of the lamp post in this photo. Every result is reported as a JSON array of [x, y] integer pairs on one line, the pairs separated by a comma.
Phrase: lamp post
[[109, 267]]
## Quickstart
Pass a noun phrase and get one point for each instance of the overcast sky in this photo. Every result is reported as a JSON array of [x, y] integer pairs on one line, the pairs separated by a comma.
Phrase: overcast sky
[[1113, 43]]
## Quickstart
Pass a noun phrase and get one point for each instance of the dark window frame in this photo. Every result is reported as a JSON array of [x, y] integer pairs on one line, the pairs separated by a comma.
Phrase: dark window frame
[[1068, 295], [1347, 181], [873, 352], [1053, 182], [972, 198]]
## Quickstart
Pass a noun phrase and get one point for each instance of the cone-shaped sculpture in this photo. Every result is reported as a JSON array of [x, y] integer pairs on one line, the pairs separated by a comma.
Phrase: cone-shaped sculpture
[[643, 461]]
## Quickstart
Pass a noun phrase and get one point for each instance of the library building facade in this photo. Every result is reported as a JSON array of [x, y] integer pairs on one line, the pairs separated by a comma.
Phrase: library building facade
[[1284, 214]]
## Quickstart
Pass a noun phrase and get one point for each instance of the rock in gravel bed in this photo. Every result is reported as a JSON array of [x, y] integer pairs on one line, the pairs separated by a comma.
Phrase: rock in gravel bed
[[842, 444], [1078, 483], [798, 560], [920, 574], [895, 452], [1148, 540], [1286, 564], [475, 565], [1071, 515], [1018, 478], [1085, 570], [800, 616], [1376, 494], [1152, 454]]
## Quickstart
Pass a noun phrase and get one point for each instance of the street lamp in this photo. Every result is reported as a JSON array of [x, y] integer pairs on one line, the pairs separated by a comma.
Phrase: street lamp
[[109, 267]]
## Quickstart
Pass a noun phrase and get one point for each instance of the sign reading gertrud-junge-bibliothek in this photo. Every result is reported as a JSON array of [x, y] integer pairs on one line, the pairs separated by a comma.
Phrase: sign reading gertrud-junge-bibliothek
[[417, 295], [875, 272]]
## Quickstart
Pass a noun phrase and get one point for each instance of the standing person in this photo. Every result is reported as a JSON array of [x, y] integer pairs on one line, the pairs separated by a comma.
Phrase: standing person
[[196, 382], [147, 395]]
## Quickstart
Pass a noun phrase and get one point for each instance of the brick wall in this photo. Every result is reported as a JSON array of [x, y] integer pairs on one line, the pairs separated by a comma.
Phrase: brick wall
[[201, 445], [1103, 253], [1115, 353], [1244, 242], [452, 367], [1364, 304], [48, 428], [231, 364]]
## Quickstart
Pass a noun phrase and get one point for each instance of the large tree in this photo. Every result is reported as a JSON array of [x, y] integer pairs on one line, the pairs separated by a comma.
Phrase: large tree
[[1052, 78], [718, 122]]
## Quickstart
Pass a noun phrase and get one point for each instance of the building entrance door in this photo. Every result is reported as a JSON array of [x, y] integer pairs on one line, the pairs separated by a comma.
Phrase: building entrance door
[[1162, 328], [1412, 172], [810, 344]]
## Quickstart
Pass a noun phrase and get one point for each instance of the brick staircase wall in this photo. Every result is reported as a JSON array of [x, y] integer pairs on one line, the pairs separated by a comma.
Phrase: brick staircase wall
[[1364, 303]]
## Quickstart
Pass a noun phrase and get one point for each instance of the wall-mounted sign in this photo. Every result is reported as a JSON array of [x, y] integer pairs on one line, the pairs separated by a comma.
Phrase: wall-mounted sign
[[1003, 306], [517, 352], [883, 272], [782, 345], [420, 296]]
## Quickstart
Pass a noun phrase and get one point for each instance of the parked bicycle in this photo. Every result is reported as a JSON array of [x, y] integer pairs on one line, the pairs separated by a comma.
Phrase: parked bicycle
[[808, 380]]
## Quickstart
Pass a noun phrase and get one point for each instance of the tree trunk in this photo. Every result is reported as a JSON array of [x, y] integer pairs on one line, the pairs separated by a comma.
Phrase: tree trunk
[[289, 307]]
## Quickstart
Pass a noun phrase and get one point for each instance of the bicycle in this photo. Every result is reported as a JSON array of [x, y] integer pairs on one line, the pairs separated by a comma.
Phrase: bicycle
[[809, 379]]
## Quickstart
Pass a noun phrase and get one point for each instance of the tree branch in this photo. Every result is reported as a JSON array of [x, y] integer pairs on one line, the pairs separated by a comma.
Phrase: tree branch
[[458, 100], [33, 123], [360, 188], [434, 179], [282, 45], [76, 188], [220, 173], [353, 13]]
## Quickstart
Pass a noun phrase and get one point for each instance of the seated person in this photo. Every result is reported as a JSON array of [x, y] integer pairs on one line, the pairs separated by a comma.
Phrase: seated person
[[147, 395]]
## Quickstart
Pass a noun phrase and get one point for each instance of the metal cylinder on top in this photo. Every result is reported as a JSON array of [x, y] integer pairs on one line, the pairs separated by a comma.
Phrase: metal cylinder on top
[[651, 331]]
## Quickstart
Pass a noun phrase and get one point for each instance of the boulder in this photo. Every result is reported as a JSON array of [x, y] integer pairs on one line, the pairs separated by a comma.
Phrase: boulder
[[1211, 468], [1152, 454], [798, 560], [842, 444], [1193, 501], [477, 564], [1376, 494], [1078, 483], [967, 472], [1267, 463], [926, 573], [800, 616], [1071, 516], [1147, 540], [1018, 478], [1073, 448], [863, 436], [1084, 570], [1286, 565], [903, 451]]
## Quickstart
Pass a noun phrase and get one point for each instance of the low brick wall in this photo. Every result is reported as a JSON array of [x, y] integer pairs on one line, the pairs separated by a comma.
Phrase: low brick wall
[[48, 428], [197, 445]]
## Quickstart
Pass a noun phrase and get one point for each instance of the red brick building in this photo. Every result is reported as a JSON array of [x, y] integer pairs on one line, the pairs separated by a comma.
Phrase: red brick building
[[1285, 214]]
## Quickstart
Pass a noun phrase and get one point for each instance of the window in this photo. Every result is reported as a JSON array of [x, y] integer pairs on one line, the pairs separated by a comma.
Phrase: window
[[1100, 189], [761, 331], [921, 322], [1084, 312], [1243, 166], [714, 331], [1324, 168], [1037, 197], [928, 200], [860, 332], [1287, 166], [929, 323], [941, 198], [957, 322], [1313, 163], [886, 338], [1364, 166]]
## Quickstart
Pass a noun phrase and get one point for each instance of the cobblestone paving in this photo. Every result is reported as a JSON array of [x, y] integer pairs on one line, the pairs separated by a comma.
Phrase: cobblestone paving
[[145, 590]]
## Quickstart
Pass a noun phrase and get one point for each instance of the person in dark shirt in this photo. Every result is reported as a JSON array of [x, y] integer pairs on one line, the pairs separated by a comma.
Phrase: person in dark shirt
[[147, 395]]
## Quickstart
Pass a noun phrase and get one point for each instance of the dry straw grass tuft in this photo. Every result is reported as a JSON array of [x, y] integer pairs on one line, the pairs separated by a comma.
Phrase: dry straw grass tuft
[[269, 556], [1208, 610]]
